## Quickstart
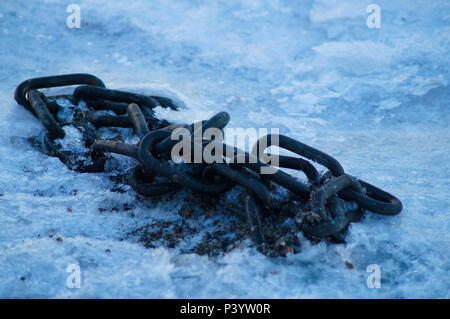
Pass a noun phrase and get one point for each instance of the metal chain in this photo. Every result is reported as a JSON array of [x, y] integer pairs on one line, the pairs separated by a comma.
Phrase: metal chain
[[325, 214]]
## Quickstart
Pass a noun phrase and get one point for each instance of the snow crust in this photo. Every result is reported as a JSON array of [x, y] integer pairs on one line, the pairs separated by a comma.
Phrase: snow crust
[[376, 99]]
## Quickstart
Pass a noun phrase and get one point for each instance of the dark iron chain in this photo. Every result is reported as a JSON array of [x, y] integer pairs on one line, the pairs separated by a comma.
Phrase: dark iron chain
[[324, 197]]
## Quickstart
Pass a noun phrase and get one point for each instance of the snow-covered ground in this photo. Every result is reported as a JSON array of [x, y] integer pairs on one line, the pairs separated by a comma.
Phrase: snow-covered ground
[[376, 99]]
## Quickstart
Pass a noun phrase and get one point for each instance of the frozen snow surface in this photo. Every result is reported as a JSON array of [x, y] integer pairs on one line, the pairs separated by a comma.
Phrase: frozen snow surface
[[376, 99]]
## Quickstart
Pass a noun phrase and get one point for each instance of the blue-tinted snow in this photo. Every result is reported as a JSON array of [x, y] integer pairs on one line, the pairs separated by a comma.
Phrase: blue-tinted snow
[[376, 99]]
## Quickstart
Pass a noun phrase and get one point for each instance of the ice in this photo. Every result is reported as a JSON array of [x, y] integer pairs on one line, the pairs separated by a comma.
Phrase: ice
[[376, 99]]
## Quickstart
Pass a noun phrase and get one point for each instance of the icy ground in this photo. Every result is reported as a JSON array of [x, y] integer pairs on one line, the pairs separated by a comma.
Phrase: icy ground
[[376, 99]]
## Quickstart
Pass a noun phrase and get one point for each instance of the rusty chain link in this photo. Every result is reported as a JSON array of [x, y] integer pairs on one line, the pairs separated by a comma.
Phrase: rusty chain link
[[324, 197]]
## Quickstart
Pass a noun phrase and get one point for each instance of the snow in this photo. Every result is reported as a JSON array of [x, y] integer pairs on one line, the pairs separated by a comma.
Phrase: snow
[[376, 99]]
